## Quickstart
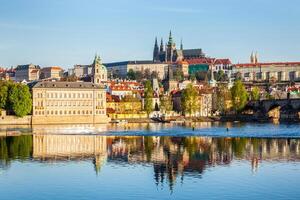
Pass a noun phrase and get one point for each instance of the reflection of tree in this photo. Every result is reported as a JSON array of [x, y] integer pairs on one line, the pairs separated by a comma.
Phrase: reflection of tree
[[19, 147], [172, 157]]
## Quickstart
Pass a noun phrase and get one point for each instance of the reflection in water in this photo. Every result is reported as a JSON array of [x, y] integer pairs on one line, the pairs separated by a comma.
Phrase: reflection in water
[[172, 157]]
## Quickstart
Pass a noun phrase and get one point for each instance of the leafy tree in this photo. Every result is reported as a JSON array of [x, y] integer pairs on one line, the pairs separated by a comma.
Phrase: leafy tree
[[147, 74], [130, 98], [148, 95], [154, 74], [20, 101], [189, 100], [239, 96], [165, 103], [3, 94], [131, 74], [222, 96], [221, 76], [178, 75], [139, 76], [255, 94], [201, 75], [238, 76], [192, 77]]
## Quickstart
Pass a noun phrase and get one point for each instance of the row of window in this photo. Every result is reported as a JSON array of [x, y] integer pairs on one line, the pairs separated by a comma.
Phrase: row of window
[[278, 75], [69, 103], [68, 95], [69, 112]]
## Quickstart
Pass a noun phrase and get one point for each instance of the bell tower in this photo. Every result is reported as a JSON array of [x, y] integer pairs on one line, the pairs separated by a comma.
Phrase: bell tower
[[99, 71]]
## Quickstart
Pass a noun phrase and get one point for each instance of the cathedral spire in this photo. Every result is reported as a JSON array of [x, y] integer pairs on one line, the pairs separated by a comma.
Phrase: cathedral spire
[[161, 45], [155, 50], [170, 38], [181, 45]]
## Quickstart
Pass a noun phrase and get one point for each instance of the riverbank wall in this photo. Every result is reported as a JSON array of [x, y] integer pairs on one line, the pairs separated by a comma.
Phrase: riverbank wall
[[14, 120]]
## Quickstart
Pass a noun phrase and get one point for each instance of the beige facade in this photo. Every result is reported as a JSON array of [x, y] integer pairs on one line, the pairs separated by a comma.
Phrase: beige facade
[[68, 102], [28, 72], [51, 72], [122, 68], [288, 71]]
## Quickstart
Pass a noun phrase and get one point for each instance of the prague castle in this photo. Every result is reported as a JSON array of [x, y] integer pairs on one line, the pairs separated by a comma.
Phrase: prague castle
[[169, 52]]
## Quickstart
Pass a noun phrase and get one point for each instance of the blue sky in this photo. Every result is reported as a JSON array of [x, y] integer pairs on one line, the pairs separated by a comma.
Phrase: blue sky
[[68, 32]]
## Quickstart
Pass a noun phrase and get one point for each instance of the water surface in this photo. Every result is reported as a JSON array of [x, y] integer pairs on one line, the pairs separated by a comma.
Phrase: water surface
[[150, 161]]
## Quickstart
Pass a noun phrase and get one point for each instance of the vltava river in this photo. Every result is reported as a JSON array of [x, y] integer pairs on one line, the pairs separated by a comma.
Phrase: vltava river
[[150, 161]]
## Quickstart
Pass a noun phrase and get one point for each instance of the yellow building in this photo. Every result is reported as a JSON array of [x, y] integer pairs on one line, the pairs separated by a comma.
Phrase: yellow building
[[68, 102], [128, 107]]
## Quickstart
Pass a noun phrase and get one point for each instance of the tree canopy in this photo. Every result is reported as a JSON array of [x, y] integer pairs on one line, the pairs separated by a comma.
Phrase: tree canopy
[[190, 100], [148, 95], [239, 96], [255, 94], [19, 99]]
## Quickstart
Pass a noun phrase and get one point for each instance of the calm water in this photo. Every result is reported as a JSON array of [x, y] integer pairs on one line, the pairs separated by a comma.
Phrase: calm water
[[150, 161]]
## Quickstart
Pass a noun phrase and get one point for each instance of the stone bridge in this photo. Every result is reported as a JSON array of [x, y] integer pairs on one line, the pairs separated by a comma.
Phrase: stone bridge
[[267, 105], [280, 109]]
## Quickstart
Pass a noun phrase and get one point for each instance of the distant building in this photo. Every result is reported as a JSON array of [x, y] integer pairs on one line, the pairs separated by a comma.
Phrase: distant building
[[95, 72], [68, 102], [260, 71], [28, 72], [169, 52], [80, 71], [121, 69], [53, 72], [7, 73], [214, 64]]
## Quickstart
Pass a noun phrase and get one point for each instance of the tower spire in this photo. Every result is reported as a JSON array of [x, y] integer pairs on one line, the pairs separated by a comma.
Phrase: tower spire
[[155, 51], [181, 45], [161, 45], [170, 38]]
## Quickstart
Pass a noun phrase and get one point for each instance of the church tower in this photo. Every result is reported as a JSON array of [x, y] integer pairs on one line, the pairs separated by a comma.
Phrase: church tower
[[156, 51], [99, 71], [181, 45], [170, 48], [161, 49]]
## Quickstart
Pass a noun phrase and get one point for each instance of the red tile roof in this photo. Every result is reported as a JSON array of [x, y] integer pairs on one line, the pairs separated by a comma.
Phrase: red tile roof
[[224, 61], [266, 64]]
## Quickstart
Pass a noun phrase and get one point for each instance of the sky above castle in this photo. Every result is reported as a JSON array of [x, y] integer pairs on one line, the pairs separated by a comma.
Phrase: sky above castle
[[68, 32]]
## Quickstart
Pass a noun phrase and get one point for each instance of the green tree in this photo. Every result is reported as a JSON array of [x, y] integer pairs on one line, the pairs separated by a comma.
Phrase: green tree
[[20, 101], [148, 95], [139, 76], [178, 75], [255, 94], [131, 74], [239, 96], [190, 100], [154, 74], [222, 96], [201, 75], [3, 94], [147, 74], [221, 76], [165, 103]]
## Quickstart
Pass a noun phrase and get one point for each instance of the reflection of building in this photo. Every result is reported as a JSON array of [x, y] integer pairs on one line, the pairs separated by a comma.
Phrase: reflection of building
[[70, 147], [68, 102], [171, 157]]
